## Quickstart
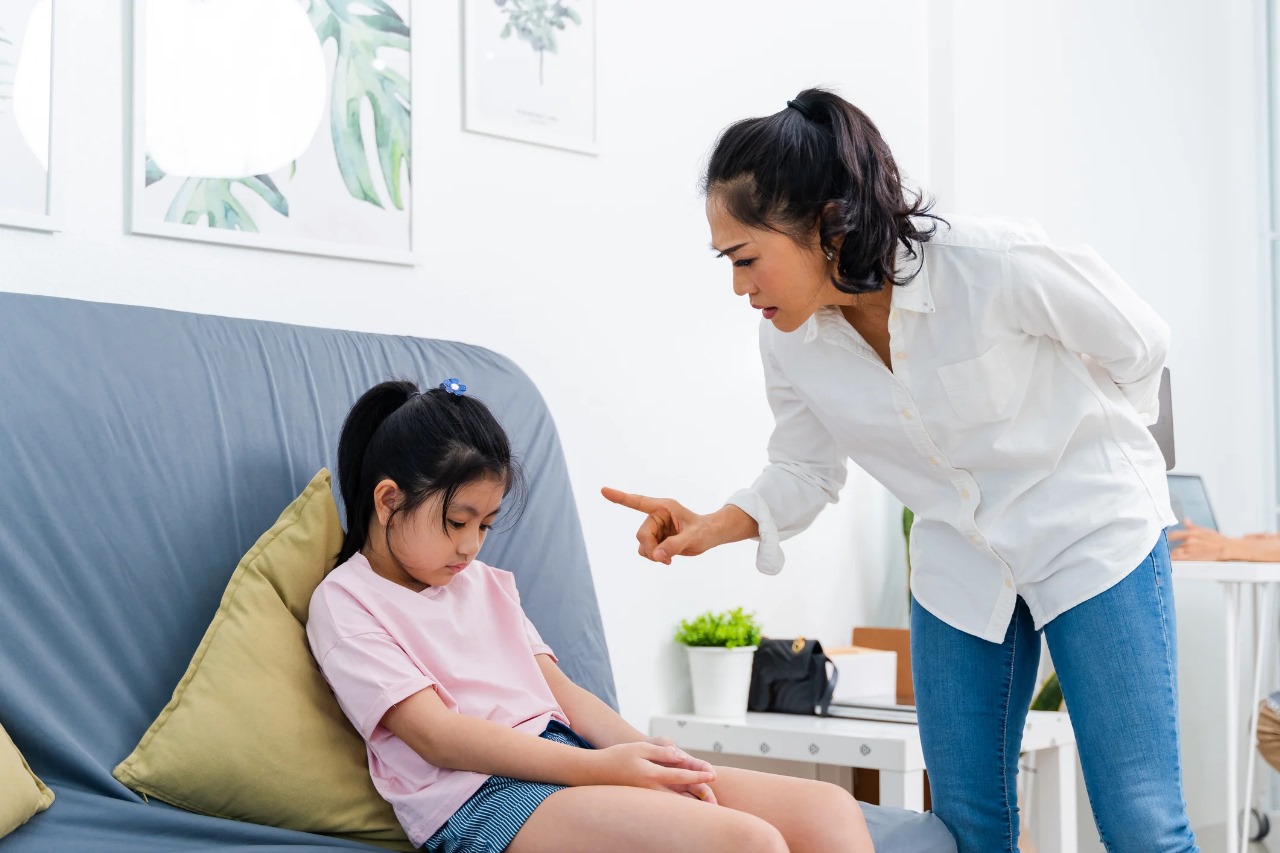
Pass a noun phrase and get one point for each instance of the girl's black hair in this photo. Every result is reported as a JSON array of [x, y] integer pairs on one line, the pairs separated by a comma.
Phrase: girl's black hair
[[820, 163], [429, 443]]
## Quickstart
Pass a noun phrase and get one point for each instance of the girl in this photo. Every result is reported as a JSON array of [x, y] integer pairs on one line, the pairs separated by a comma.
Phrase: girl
[[1000, 387], [474, 735]]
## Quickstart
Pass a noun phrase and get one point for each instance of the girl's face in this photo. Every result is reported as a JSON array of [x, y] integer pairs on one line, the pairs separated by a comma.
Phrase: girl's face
[[783, 280], [422, 552]]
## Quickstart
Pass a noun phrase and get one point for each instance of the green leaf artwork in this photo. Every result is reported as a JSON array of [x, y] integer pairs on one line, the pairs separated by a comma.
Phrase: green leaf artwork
[[210, 200], [536, 22], [360, 31]]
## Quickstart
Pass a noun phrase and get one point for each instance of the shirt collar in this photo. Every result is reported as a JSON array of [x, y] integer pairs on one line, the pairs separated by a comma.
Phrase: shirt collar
[[915, 295]]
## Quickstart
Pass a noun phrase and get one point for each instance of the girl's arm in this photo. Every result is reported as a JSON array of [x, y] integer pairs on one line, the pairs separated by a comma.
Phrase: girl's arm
[[599, 724], [446, 738], [603, 728]]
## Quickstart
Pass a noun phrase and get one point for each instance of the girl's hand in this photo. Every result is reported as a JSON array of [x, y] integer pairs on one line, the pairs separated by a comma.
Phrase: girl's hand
[[673, 530], [1197, 543], [648, 765], [701, 791]]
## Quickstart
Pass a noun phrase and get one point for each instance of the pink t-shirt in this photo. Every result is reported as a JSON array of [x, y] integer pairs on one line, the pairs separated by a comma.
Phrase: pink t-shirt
[[379, 643]]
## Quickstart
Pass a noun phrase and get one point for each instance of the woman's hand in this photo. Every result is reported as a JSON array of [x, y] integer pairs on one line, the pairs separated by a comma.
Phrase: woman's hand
[[649, 765], [673, 530], [700, 791], [1198, 543]]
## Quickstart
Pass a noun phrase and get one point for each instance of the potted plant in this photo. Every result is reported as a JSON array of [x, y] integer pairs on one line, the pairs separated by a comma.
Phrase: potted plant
[[721, 648]]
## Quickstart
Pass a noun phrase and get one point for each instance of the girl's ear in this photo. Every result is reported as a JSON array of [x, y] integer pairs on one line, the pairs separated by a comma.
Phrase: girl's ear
[[386, 498]]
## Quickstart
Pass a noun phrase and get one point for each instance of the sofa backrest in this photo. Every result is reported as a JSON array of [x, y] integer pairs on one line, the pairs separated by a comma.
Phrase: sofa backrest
[[143, 451]]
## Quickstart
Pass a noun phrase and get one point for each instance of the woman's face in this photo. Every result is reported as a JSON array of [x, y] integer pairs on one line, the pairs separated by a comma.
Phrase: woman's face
[[785, 281]]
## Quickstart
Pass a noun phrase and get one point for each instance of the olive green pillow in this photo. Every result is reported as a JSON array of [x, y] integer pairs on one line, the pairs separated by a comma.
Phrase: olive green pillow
[[253, 732], [24, 796]]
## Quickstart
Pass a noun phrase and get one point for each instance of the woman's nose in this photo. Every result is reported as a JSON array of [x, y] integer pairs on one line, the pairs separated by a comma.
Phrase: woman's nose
[[741, 286]]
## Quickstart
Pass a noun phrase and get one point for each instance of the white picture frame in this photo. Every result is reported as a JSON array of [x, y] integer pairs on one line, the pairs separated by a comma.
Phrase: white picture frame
[[36, 209], [514, 90], [337, 223]]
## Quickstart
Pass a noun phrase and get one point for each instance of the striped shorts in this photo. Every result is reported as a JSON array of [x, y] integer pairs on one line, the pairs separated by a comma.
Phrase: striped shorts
[[488, 821]]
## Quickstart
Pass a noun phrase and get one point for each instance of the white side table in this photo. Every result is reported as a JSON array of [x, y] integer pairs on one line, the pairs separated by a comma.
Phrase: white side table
[[894, 750], [1257, 582]]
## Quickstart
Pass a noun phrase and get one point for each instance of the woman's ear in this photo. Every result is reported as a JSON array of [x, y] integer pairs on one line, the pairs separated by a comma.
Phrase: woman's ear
[[831, 214], [386, 498]]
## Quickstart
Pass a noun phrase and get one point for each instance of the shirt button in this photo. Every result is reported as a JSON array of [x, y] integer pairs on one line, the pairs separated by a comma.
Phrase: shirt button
[[900, 355], [1008, 584], [964, 493], [933, 460], [906, 414], [893, 315], [976, 540]]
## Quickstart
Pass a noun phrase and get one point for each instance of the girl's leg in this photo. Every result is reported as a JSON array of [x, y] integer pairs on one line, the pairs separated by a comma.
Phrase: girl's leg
[[592, 818], [813, 817], [972, 698], [1116, 656]]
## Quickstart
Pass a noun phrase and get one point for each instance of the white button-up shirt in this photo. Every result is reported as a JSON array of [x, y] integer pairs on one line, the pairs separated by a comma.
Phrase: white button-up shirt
[[1013, 424]]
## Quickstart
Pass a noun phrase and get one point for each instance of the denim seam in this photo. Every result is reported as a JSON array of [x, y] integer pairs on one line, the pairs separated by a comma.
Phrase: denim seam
[[1004, 734]]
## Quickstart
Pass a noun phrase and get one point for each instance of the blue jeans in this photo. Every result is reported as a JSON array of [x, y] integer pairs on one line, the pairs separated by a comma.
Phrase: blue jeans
[[1116, 658]]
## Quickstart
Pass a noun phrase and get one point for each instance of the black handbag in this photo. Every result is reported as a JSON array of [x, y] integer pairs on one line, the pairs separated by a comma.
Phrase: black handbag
[[791, 677]]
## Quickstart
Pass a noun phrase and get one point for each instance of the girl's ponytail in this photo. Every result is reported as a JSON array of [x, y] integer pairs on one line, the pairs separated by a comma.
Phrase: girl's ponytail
[[358, 431]]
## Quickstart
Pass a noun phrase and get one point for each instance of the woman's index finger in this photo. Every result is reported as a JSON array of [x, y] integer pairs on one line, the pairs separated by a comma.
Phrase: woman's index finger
[[636, 502]]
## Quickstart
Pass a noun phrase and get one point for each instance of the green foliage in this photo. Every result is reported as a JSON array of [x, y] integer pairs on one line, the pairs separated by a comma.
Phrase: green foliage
[[536, 22], [730, 629], [361, 76], [154, 172], [211, 200], [1050, 696]]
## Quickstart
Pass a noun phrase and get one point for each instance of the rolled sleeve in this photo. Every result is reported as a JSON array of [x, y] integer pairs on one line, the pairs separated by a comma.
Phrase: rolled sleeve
[[1072, 296], [806, 469], [370, 673]]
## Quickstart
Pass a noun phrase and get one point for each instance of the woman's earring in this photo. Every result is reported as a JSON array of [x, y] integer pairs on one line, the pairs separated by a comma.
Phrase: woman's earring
[[831, 256]]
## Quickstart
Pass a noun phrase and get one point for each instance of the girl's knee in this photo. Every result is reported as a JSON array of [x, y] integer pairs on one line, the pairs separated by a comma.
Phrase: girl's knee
[[842, 820], [749, 834]]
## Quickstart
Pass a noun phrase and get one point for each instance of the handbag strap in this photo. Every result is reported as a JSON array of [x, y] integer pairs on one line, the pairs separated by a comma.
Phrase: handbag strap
[[824, 704]]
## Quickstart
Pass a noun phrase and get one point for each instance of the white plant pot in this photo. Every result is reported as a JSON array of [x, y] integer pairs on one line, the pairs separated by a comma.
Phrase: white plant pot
[[721, 680]]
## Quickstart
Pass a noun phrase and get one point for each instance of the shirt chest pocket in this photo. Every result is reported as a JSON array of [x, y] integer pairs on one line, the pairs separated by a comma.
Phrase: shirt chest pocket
[[980, 389]]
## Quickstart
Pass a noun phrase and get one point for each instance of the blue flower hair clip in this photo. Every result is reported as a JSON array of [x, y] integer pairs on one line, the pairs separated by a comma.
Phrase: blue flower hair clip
[[454, 387]]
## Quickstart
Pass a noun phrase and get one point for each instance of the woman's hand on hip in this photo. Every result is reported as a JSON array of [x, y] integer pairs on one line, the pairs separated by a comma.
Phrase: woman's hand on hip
[[673, 530]]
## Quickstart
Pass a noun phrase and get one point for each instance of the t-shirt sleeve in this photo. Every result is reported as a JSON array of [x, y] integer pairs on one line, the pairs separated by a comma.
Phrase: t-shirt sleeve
[[369, 673], [508, 583]]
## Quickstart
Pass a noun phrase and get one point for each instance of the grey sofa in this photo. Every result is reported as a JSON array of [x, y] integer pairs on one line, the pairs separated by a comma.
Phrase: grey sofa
[[141, 453]]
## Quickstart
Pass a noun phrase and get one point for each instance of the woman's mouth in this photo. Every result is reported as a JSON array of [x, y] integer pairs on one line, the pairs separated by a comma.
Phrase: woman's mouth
[[456, 567], [769, 313]]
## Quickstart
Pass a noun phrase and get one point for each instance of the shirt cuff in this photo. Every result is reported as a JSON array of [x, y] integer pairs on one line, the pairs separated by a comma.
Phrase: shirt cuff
[[769, 556]]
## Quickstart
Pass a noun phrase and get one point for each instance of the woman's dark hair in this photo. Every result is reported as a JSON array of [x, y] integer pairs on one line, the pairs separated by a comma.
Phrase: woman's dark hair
[[429, 443], [821, 162]]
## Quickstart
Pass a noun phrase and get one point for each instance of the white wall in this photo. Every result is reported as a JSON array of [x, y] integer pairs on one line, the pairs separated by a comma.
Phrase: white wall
[[1135, 127], [1125, 124], [592, 273]]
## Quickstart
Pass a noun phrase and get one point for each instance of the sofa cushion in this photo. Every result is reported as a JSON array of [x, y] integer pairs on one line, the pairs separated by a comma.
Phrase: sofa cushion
[[24, 794], [253, 732]]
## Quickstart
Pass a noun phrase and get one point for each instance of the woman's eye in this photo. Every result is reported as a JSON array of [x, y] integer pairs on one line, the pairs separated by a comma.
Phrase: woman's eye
[[745, 262], [485, 528], [457, 525]]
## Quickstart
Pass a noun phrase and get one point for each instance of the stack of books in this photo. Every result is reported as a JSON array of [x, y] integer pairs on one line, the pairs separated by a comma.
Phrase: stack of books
[[884, 709]]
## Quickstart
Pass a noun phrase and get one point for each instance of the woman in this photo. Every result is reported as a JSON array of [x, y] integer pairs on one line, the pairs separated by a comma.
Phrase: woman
[[998, 386]]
